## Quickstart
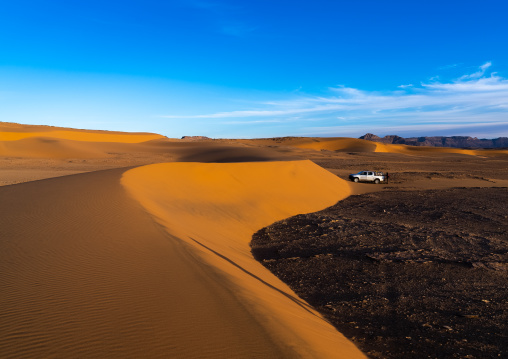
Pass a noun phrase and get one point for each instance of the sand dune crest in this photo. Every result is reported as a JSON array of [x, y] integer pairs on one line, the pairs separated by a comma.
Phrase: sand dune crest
[[86, 273], [15, 132], [339, 144], [217, 208]]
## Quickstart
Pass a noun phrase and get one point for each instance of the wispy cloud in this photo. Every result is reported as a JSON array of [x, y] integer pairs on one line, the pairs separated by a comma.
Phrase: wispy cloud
[[470, 102], [479, 73]]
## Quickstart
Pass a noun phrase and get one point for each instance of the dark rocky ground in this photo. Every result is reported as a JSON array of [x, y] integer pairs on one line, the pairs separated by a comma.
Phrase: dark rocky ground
[[405, 169], [404, 274]]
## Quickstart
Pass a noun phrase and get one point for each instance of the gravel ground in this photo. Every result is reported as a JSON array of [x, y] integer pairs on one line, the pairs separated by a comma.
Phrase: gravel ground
[[403, 274]]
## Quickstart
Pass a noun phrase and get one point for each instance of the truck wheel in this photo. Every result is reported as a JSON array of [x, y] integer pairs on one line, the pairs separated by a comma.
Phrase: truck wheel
[[376, 181], [356, 179]]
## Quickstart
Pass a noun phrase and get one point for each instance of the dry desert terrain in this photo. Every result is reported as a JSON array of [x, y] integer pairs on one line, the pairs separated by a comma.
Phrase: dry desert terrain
[[128, 245]]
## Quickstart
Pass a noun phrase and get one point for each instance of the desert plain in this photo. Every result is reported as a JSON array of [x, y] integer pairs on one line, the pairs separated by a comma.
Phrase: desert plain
[[128, 245]]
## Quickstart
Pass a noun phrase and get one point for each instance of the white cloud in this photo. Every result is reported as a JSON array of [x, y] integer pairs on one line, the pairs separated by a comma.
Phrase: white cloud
[[470, 102], [479, 73], [251, 122], [427, 129]]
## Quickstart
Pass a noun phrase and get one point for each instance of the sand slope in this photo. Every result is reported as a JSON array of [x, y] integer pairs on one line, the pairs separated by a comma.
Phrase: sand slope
[[427, 150], [46, 147], [45, 142], [14, 131], [27, 141], [217, 207], [54, 148], [81, 136], [85, 272], [408, 150], [339, 144], [345, 144]]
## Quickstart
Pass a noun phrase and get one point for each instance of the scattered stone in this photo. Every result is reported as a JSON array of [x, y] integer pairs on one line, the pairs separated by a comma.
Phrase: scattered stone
[[388, 274]]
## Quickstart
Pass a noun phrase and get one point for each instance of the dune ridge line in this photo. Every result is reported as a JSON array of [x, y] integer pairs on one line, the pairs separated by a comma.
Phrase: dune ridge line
[[86, 272], [216, 207], [360, 145], [82, 136]]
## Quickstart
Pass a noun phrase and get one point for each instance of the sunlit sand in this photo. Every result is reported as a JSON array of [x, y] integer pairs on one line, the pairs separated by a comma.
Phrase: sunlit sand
[[131, 245], [217, 207], [89, 270]]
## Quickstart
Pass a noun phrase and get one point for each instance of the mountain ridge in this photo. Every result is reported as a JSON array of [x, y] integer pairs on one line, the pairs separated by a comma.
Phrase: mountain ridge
[[440, 141]]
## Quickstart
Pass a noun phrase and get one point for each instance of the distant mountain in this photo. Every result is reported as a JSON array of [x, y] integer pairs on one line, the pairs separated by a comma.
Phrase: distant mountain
[[441, 141], [195, 138]]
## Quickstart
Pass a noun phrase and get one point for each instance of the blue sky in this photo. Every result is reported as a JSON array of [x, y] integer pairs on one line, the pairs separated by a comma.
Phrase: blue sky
[[257, 68]]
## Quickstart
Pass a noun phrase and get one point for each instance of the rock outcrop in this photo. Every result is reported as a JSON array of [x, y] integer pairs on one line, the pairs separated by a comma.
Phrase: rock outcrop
[[441, 141]]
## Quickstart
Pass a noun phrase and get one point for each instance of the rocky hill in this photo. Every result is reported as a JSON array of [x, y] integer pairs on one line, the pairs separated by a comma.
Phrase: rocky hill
[[195, 138], [441, 141]]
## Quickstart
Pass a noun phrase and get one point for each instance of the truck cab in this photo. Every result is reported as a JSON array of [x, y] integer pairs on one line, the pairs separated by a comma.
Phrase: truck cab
[[368, 176]]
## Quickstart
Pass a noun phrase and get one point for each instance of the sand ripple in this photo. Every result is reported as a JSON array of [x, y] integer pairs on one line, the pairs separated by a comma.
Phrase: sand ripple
[[216, 207]]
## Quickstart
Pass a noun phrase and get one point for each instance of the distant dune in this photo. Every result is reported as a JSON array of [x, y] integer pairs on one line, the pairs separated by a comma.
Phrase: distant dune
[[54, 142], [426, 150], [11, 130], [316, 143], [87, 270], [340, 144], [30, 141], [344, 144], [128, 245]]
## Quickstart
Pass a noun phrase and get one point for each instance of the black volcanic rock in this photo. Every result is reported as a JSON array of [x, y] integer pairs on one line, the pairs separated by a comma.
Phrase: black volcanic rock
[[371, 137], [440, 141], [195, 138], [395, 139], [501, 142], [403, 274]]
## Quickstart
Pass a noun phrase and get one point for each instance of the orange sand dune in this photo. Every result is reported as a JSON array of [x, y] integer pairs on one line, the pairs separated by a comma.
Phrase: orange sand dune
[[358, 145], [491, 153], [339, 144], [216, 152], [412, 150], [86, 272], [217, 207], [45, 147], [11, 131], [81, 136], [28, 141], [343, 144], [425, 150]]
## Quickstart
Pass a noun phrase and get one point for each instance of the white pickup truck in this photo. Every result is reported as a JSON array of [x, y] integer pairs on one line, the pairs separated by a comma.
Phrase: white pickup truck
[[368, 176]]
